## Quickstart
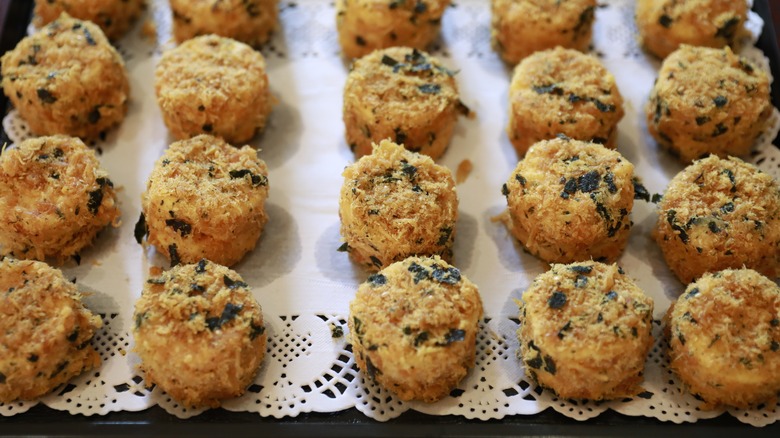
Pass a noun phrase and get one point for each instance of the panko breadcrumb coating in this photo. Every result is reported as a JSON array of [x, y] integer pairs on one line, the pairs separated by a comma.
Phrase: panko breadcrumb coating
[[249, 21], [717, 214], [213, 85], [67, 79], [401, 94], [199, 333], [395, 204], [54, 198], [113, 16], [585, 331], [522, 27], [206, 199], [570, 200], [563, 91], [665, 25], [45, 330], [368, 25], [724, 338], [708, 101], [413, 327]]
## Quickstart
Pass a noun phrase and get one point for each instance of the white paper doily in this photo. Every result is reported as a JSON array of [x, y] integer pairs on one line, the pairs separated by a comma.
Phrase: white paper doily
[[305, 285]]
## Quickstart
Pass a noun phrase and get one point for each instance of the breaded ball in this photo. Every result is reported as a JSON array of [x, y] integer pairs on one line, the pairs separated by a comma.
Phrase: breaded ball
[[45, 330], [199, 333], [724, 338], [54, 198], [413, 327], [206, 199], [113, 16], [717, 214], [585, 331], [213, 85], [563, 91], [708, 101], [665, 25], [570, 200], [367, 25], [401, 94], [522, 27], [248, 21], [395, 204], [67, 79]]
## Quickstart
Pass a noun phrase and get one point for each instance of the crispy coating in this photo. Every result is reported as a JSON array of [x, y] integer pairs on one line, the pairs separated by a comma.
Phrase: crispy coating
[[522, 27], [395, 204], [67, 79], [113, 16], [585, 331], [206, 199], [368, 25], [665, 25], [54, 198], [413, 327], [717, 214], [401, 94], [249, 21], [570, 200], [563, 91], [213, 85], [45, 330], [199, 333], [724, 338], [708, 101]]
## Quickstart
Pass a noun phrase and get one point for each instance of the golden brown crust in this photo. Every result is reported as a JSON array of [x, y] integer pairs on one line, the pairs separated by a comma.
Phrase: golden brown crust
[[570, 200], [213, 85], [585, 331], [395, 204], [563, 91], [113, 16], [45, 330], [522, 27], [724, 338], [206, 199], [708, 101], [368, 25], [665, 25], [718, 214], [413, 327], [54, 198], [199, 333], [249, 21], [401, 94], [67, 79]]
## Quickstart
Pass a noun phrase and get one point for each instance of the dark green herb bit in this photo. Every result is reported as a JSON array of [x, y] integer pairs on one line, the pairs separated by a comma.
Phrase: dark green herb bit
[[774, 346], [255, 330], [549, 365], [195, 287], [656, 198], [728, 29], [720, 101], [201, 267], [420, 338], [671, 219], [693, 292], [581, 281], [407, 169], [228, 314], [343, 248], [377, 280], [420, 7], [336, 331], [74, 335], [727, 208], [681, 338], [720, 129], [32, 358], [609, 179], [581, 269], [140, 229], [603, 107], [395, 3], [462, 108], [360, 41], [732, 179], [449, 275], [208, 127], [505, 190], [376, 262], [454, 335], [665, 21], [371, 369], [584, 21], [610, 296], [548, 89], [589, 182], [429, 88], [557, 300], [702, 120], [569, 188], [94, 115], [386, 60], [419, 271], [775, 322], [88, 36], [233, 284], [174, 254], [535, 362], [45, 96], [400, 135], [520, 179], [60, 367], [95, 199], [566, 327], [160, 280], [180, 226], [444, 235], [713, 227]]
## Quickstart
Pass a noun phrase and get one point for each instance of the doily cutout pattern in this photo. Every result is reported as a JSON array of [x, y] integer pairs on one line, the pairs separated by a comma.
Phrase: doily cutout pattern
[[309, 365]]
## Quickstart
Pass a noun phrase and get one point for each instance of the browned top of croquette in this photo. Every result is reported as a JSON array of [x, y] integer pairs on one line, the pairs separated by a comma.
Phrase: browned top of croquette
[[722, 198], [66, 48], [196, 300]]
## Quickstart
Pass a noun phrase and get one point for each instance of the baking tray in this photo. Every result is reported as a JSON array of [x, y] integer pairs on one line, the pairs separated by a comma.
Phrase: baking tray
[[41, 420]]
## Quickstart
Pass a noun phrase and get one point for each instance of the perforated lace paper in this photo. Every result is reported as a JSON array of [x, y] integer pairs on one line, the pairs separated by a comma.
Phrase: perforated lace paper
[[305, 285]]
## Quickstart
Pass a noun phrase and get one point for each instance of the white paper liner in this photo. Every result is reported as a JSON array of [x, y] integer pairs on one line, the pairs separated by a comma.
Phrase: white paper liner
[[305, 286]]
